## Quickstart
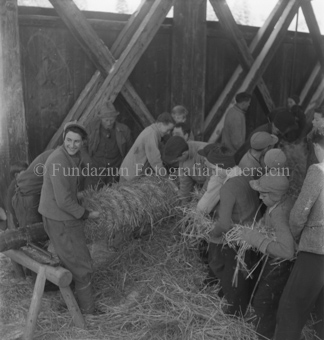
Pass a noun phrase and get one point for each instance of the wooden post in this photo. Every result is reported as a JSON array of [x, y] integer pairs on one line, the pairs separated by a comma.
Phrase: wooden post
[[13, 134], [35, 304], [189, 60], [73, 307]]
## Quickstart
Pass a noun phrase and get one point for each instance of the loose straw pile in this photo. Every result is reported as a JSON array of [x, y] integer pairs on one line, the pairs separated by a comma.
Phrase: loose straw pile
[[127, 206]]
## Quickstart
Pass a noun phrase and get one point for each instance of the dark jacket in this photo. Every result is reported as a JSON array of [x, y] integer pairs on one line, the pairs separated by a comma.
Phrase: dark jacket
[[123, 137]]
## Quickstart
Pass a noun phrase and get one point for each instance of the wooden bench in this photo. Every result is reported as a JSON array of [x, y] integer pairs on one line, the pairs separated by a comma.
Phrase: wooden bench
[[57, 275]]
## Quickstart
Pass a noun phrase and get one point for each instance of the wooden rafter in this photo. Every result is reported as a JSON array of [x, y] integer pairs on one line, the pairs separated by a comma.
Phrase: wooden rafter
[[105, 59], [317, 98], [265, 56], [237, 78], [129, 58], [309, 83]]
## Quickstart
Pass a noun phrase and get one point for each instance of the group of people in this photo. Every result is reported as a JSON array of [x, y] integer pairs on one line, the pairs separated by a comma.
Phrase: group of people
[[236, 176]]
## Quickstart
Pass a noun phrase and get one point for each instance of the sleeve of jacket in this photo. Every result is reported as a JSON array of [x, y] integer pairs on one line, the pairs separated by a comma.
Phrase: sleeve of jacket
[[62, 190], [282, 244], [310, 190], [153, 154]]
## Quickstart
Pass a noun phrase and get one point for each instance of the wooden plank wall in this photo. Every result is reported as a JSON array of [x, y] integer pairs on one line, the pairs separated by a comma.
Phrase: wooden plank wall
[[55, 70]]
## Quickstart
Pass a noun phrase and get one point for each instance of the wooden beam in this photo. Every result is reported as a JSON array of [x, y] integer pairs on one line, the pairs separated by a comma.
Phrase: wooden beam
[[313, 76], [13, 132], [129, 58], [189, 60], [263, 59], [227, 96], [58, 275], [91, 43], [314, 31], [317, 98]]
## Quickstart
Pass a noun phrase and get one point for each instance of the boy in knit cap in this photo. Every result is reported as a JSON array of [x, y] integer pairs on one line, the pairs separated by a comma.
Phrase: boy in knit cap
[[279, 248], [260, 143], [63, 216]]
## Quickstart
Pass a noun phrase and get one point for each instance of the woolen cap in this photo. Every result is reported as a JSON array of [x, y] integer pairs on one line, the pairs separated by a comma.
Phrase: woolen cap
[[271, 183], [261, 140], [217, 156], [275, 158], [74, 123], [108, 111], [174, 148]]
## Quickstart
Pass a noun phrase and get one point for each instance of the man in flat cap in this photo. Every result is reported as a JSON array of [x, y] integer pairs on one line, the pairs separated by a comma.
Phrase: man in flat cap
[[63, 216], [108, 143], [252, 161]]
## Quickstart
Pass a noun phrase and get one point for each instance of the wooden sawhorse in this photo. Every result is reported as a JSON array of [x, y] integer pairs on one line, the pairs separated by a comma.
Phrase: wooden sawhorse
[[57, 275]]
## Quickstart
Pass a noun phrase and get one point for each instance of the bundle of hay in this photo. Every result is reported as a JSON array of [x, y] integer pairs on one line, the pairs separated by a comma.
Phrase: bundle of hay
[[194, 225], [234, 240], [296, 162], [127, 206]]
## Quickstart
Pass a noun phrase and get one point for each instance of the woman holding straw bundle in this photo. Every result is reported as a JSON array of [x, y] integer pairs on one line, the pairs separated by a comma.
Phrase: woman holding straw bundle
[[274, 239]]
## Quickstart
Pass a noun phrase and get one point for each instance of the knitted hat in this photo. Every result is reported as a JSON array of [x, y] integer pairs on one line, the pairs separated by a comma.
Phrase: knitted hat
[[274, 184], [108, 111], [284, 120], [275, 158], [174, 148], [218, 155], [261, 140], [74, 123]]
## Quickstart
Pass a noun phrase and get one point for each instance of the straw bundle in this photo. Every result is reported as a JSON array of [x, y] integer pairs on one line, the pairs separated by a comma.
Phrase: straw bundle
[[124, 207], [296, 162], [194, 225], [234, 240]]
